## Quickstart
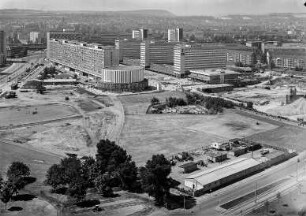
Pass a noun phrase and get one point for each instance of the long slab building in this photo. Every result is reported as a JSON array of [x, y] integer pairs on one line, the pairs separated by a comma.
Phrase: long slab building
[[100, 63]]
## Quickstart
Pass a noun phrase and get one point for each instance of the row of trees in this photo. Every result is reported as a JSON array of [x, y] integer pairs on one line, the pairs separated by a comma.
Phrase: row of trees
[[213, 104], [17, 174], [47, 73], [112, 167]]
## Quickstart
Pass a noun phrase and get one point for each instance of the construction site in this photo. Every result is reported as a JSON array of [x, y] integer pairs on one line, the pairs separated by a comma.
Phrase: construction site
[[70, 117]]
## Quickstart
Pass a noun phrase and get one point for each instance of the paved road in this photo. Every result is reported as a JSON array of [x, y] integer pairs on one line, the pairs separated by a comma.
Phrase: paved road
[[207, 204]]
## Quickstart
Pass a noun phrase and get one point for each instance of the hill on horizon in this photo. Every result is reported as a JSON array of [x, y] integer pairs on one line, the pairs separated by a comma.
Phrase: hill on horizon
[[163, 13]]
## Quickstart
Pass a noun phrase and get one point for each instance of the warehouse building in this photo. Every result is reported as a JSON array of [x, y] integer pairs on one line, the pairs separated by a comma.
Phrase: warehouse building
[[214, 178], [190, 57]]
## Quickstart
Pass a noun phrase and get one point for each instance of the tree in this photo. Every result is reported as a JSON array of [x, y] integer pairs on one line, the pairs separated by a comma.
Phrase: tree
[[1, 181], [114, 160], [103, 185], [40, 88], [77, 189], [154, 178], [87, 169], [6, 193], [155, 101], [127, 173], [17, 170], [55, 176]]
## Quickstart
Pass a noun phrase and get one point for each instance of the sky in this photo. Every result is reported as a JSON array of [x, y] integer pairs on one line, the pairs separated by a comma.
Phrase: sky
[[178, 7]]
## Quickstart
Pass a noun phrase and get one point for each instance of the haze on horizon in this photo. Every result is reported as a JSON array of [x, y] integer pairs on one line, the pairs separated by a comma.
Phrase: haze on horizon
[[178, 7]]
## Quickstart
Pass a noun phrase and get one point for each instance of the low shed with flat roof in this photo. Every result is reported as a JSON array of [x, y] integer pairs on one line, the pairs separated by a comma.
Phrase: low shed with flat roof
[[222, 175]]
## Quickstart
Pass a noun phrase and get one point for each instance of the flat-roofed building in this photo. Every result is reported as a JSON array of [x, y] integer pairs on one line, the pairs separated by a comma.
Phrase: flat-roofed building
[[221, 175], [215, 76], [175, 35], [284, 57], [2, 48], [87, 58], [128, 49], [156, 53], [34, 37], [198, 56], [140, 34], [242, 54], [98, 63]]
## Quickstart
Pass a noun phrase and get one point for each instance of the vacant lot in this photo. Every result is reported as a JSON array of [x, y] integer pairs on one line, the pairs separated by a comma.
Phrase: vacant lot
[[38, 161], [147, 134], [88, 105], [138, 104], [17, 115]]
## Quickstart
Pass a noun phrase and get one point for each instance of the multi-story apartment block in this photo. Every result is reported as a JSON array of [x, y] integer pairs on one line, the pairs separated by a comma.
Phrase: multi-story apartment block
[[188, 57], [87, 58], [128, 49], [242, 54], [288, 57], [157, 53], [140, 34], [2, 48], [175, 35], [34, 37]]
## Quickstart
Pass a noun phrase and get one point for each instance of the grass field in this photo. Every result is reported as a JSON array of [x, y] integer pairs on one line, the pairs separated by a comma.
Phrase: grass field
[[147, 134], [17, 115], [284, 136]]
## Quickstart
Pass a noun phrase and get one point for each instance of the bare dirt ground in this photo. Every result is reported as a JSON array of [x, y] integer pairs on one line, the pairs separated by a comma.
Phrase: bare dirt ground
[[17, 115], [172, 133]]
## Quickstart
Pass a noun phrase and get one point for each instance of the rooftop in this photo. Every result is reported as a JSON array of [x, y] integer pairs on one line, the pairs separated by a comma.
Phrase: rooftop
[[186, 165], [227, 169], [124, 67], [213, 72]]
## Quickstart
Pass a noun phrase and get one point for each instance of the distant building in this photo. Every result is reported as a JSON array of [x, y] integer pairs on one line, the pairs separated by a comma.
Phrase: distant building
[[284, 57], [128, 49], [106, 38], [140, 34], [34, 37], [156, 53], [66, 35], [17, 51], [255, 44], [199, 56], [2, 48], [242, 54], [175, 35]]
